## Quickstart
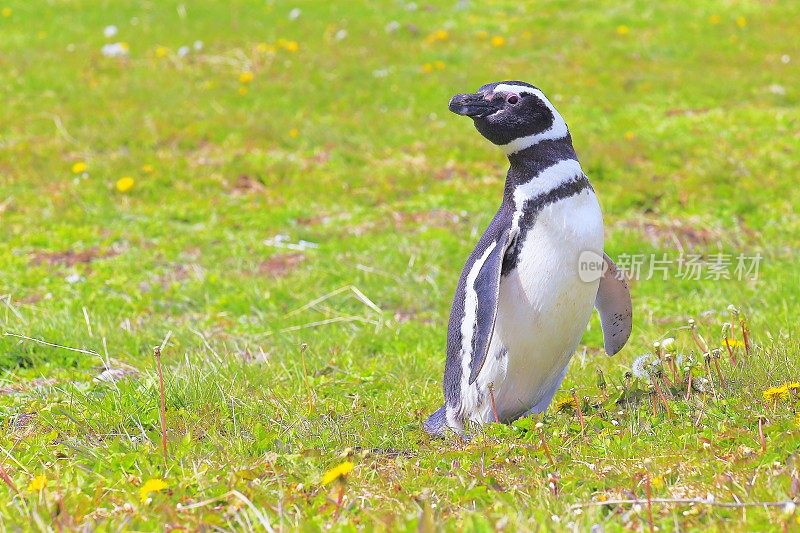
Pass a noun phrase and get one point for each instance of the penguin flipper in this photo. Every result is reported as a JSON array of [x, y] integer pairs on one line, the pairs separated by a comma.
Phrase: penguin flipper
[[613, 302], [486, 289]]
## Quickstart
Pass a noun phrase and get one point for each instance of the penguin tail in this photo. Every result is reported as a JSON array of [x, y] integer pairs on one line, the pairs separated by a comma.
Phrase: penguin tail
[[436, 424]]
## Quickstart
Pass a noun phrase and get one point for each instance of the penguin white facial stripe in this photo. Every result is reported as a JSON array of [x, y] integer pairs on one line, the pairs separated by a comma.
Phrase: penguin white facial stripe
[[519, 89], [556, 131]]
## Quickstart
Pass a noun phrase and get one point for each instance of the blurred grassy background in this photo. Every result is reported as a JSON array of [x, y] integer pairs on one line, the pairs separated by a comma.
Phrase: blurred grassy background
[[327, 123]]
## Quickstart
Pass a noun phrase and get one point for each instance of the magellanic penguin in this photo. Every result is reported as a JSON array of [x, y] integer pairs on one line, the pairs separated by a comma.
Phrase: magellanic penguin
[[527, 290]]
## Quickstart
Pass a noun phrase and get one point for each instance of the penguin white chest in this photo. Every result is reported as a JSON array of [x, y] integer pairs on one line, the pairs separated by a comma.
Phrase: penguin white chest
[[543, 304]]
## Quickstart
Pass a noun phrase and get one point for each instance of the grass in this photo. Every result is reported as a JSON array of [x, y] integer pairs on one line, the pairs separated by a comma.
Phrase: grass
[[686, 119]]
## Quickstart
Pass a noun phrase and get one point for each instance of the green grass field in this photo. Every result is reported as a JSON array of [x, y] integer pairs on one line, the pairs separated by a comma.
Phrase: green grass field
[[242, 128]]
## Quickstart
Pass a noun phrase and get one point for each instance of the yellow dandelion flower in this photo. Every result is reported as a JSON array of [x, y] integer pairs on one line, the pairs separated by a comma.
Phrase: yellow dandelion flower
[[243, 90], [498, 41], [567, 403], [150, 486], [162, 51], [714, 19], [79, 167], [427, 68], [438, 36], [125, 184], [629, 136], [776, 394], [438, 65], [37, 483], [293, 133], [246, 77], [148, 169], [623, 30], [337, 472], [7, 12], [658, 482], [482, 35], [741, 21], [289, 46], [797, 420], [734, 343]]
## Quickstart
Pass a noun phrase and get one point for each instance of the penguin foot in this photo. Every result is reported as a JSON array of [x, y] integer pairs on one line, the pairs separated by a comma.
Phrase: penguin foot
[[436, 424]]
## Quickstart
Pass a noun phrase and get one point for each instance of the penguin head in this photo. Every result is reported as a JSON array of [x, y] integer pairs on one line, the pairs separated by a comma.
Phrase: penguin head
[[511, 114]]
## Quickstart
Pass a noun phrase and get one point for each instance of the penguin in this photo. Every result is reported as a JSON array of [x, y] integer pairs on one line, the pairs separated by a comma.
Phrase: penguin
[[527, 290]]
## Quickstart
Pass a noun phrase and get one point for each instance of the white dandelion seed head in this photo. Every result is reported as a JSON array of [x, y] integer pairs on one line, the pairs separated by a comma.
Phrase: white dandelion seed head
[[392, 27], [640, 365], [110, 31], [701, 384], [294, 14], [198, 45], [183, 51], [340, 35], [668, 344]]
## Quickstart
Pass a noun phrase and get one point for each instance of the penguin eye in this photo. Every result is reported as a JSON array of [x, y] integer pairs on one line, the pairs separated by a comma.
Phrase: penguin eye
[[512, 99]]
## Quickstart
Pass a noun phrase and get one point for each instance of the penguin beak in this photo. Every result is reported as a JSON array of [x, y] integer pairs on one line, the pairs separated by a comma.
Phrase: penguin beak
[[472, 105]]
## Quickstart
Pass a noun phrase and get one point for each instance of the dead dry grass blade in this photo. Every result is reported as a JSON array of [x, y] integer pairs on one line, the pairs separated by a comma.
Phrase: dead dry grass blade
[[360, 296], [330, 321], [6, 299], [52, 344], [683, 501], [241, 497]]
